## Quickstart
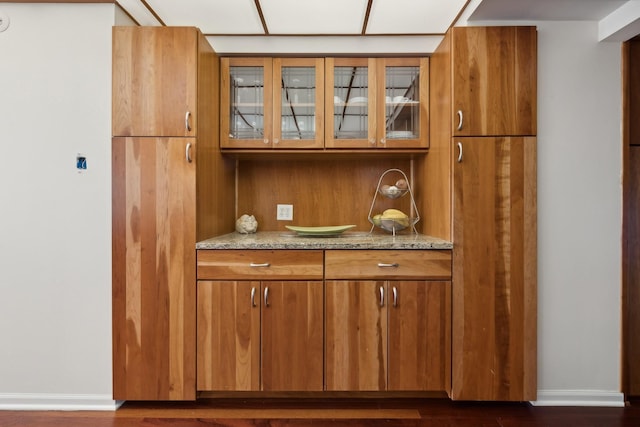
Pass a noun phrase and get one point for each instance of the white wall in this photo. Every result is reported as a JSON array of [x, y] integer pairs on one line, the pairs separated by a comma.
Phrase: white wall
[[55, 223], [579, 213]]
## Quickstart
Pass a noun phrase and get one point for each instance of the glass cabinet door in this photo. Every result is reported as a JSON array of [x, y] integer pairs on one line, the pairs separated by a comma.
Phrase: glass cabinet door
[[298, 105], [403, 94], [350, 103], [245, 99]]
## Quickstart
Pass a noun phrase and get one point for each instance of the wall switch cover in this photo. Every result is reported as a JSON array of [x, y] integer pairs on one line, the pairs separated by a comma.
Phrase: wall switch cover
[[285, 213]]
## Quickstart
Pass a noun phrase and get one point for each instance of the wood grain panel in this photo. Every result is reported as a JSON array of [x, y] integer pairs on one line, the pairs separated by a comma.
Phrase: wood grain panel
[[355, 336], [144, 60], [494, 299], [292, 336], [260, 264], [329, 192], [153, 292], [228, 336], [494, 81], [632, 297], [632, 82], [215, 183], [436, 172], [387, 264], [419, 335]]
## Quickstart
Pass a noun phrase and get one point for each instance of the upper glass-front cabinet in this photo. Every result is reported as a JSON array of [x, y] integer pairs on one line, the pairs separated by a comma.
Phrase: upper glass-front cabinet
[[298, 103], [377, 103], [316, 103], [269, 103], [246, 103]]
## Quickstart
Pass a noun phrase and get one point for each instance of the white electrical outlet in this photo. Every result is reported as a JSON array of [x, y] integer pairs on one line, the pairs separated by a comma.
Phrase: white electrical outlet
[[285, 213]]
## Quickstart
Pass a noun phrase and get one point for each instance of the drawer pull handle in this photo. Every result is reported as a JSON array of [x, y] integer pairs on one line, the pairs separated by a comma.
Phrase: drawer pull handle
[[460, 120], [266, 296], [395, 296], [253, 296], [388, 265], [459, 152], [381, 296], [259, 264]]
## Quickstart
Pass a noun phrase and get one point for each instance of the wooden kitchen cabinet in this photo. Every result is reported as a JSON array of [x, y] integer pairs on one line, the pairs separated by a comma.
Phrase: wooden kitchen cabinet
[[494, 269], [270, 335], [156, 80], [272, 103], [494, 80], [168, 183], [377, 103], [482, 195], [154, 233], [387, 334]]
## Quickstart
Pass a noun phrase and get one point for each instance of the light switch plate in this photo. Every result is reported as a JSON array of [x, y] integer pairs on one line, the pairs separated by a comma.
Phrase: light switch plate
[[285, 213]]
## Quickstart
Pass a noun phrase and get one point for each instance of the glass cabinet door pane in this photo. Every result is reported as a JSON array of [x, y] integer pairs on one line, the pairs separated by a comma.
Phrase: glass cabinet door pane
[[402, 102], [298, 94], [247, 102], [350, 102]]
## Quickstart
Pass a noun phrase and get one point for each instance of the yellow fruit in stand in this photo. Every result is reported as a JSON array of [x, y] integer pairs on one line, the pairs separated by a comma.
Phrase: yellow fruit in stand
[[397, 216], [377, 220]]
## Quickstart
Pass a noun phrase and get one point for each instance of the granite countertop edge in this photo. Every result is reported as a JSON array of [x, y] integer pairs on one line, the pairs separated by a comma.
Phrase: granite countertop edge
[[347, 240]]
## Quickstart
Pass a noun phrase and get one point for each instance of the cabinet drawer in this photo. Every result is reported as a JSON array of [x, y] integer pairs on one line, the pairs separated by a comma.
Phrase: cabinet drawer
[[259, 264], [388, 264]]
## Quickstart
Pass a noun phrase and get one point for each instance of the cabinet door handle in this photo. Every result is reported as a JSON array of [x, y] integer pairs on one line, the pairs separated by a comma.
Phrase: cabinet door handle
[[266, 296], [388, 265], [460, 119], [253, 296], [187, 122], [266, 141], [383, 141], [261, 264], [459, 152], [187, 152], [381, 296], [395, 296]]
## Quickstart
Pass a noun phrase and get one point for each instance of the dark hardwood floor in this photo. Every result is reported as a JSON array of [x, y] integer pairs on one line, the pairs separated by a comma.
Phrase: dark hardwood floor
[[333, 412]]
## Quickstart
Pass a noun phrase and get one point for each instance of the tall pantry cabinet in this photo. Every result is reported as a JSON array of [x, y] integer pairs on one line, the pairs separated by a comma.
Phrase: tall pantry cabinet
[[482, 164], [167, 179]]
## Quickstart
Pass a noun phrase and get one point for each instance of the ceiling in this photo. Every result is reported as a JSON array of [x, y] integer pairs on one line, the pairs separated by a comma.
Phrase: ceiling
[[351, 26]]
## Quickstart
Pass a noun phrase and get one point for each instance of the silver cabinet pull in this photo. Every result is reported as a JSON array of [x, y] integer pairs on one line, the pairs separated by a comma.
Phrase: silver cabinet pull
[[395, 296], [253, 296], [459, 152], [187, 152], [266, 141], [187, 122], [381, 296], [388, 265], [259, 264], [266, 296], [460, 119], [383, 141]]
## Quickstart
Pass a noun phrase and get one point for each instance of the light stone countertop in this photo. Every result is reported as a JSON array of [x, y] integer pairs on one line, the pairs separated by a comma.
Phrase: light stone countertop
[[346, 240]]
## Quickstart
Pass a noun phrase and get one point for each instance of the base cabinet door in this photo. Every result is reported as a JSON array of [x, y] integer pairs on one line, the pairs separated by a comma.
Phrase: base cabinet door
[[154, 233], [419, 335], [228, 356], [387, 335], [292, 338], [256, 336], [494, 269]]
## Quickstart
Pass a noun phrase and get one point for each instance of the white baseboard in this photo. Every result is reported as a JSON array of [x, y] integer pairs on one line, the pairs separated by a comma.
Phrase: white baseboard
[[57, 402], [579, 398]]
